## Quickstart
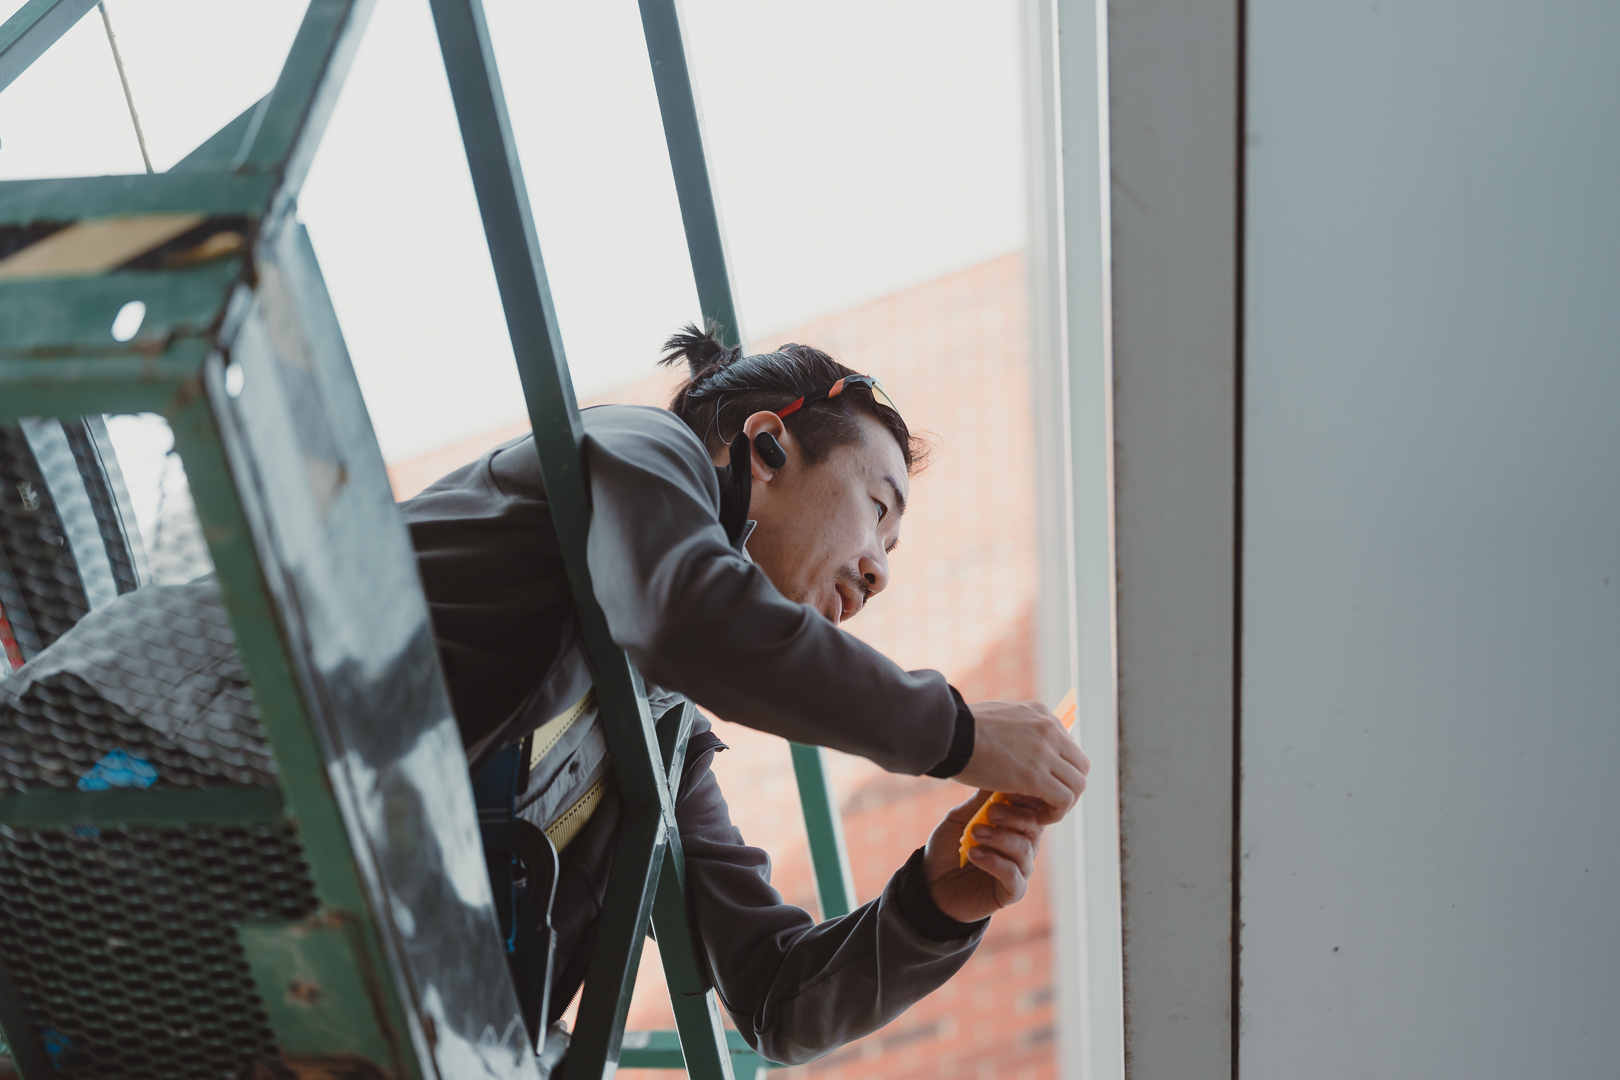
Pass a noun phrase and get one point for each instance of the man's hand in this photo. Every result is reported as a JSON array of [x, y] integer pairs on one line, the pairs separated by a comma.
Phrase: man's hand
[[1019, 748], [998, 870]]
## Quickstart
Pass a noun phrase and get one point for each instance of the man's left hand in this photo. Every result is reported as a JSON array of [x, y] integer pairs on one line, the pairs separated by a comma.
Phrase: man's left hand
[[997, 873]]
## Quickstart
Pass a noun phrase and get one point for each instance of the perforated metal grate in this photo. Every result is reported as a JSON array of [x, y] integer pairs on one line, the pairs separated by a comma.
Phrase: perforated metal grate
[[154, 675], [122, 944]]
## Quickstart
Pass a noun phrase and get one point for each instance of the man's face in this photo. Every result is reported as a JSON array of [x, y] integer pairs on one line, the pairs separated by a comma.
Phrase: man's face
[[825, 531]]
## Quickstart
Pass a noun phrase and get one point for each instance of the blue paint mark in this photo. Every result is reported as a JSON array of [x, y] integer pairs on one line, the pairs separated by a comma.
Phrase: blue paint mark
[[56, 1044], [88, 832], [118, 769]]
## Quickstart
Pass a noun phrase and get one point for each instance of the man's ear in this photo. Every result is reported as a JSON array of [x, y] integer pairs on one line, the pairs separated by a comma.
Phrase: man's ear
[[772, 447]]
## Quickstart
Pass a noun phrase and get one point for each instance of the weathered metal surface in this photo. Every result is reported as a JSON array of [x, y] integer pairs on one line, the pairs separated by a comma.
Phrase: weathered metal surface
[[317, 577], [35, 27]]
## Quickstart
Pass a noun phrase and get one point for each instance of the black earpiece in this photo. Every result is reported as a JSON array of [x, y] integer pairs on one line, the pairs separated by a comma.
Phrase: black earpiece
[[770, 451]]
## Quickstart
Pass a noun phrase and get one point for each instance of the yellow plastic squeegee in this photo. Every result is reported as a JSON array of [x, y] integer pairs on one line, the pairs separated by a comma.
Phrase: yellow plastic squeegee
[[1065, 712]]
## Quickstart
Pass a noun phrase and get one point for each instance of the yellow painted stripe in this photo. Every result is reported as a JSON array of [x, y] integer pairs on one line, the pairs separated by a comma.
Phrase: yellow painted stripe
[[565, 828], [547, 734], [88, 248]]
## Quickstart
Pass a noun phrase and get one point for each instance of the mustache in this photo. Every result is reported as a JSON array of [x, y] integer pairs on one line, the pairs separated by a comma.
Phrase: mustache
[[851, 576]]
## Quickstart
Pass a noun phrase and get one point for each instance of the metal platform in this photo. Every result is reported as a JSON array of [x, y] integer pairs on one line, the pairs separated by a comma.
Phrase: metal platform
[[283, 877]]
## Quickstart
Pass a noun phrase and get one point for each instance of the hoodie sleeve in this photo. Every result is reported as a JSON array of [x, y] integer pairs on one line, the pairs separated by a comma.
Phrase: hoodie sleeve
[[797, 989], [698, 618]]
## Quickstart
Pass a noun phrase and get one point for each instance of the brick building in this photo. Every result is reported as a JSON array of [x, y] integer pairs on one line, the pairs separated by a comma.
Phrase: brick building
[[953, 352]]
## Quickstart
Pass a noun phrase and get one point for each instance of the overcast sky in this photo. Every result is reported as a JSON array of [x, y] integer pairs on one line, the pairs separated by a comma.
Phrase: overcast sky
[[859, 148]]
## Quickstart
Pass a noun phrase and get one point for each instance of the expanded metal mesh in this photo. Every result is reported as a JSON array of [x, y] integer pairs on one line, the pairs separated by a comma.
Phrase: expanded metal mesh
[[153, 677], [122, 947]]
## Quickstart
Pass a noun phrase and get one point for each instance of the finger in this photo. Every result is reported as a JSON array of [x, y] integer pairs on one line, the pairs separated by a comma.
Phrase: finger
[[1013, 845], [1072, 778], [963, 811], [1004, 870], [1051, 788], [1074, 755], [1018, 819]]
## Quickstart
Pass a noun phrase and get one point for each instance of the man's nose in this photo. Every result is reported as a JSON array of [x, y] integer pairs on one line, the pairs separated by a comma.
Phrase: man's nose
[[875, 572]]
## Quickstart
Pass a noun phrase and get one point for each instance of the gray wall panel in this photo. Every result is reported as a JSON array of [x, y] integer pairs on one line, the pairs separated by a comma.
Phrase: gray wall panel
[[1431, 698], [1173, 110]]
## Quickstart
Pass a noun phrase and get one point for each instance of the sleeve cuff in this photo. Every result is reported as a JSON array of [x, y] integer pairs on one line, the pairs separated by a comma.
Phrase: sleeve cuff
[[961, 750], [917, 905]]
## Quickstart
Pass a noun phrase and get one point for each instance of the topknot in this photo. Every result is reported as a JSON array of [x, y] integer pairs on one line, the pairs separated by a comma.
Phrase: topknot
[[701, 349]]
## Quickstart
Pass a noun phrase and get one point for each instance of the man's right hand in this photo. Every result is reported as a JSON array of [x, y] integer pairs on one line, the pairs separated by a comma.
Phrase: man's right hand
[[1019, 748]]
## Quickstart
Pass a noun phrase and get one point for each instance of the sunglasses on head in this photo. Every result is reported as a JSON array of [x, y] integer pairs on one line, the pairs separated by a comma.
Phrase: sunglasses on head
[[879, 395]]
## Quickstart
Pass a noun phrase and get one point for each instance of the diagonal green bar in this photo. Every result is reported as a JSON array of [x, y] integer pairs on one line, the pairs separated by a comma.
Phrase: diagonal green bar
[[697, 1009], [226, 147], [643, 787], [35, 27], [705, 242], [694, 183], [835, 885], [283, 135]]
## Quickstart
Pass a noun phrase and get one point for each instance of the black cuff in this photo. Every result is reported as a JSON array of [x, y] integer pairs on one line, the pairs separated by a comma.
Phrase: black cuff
[[917, 905], [961, 742]]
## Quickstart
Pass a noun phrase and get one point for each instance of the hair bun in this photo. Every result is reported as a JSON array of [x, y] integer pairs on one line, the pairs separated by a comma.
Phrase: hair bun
[[701, 349]]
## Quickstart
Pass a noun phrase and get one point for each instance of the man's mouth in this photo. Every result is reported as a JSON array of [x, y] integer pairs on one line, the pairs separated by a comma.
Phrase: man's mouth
[[850, 601]]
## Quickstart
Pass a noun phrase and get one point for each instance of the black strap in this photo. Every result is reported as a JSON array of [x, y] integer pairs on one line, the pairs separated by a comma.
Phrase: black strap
[[495, 791]]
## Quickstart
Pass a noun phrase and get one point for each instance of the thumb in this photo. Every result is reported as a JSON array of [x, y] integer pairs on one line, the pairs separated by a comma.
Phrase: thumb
[[963, 811]]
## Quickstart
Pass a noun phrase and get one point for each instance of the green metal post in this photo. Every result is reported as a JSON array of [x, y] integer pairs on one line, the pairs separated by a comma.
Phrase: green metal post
[[35, 27], [694, 182], [835, 885], [661, 24], [649, 842]]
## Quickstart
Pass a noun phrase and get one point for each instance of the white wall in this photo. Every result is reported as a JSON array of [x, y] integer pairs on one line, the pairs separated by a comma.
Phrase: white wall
[[1431, 541]]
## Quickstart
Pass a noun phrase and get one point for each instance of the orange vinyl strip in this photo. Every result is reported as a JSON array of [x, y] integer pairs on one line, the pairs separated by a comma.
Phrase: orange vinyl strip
[[1066, 711]]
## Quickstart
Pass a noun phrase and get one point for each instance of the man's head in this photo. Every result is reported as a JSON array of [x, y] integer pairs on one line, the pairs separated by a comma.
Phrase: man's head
[[830, 514]]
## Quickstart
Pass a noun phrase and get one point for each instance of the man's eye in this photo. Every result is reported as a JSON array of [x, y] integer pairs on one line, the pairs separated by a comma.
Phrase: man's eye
[[883, 511]]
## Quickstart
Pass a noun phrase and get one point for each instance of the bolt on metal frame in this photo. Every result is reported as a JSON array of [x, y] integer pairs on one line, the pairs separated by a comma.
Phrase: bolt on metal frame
[[281, 558]]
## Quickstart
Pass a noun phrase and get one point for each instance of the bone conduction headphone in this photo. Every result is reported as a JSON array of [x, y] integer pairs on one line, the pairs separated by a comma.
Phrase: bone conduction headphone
[[771, 452]]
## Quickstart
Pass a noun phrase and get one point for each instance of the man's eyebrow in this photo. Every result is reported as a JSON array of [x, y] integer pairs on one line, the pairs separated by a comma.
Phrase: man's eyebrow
[[899, 496]]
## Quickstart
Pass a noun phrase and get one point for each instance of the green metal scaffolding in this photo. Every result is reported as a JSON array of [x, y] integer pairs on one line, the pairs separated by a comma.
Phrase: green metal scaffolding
[[237, 341]]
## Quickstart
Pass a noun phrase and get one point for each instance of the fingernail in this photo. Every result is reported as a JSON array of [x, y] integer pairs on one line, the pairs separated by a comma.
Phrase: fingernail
[[998, 814], [976, 853], [983, 832]]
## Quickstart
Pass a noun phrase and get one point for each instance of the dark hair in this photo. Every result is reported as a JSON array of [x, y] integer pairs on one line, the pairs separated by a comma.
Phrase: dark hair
[[725, 388]]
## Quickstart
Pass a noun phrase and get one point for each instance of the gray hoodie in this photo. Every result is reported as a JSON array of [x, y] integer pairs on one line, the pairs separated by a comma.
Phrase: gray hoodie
[[700, 619]]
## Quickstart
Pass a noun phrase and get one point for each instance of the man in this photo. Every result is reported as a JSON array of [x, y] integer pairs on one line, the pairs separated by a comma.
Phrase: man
[[729, 536]]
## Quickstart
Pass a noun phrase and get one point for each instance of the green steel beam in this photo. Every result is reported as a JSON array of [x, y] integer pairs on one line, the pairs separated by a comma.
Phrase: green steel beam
[[706, 243], [121, 384], [35, 27], [54, 316], [694, 182], [835, 885], [226, 148], [172, 806], [662, 1050], [285, 132], [648, 839], [696, 1006], [85, 197]]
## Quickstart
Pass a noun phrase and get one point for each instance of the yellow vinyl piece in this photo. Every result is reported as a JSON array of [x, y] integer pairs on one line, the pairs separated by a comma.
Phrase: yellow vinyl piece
[[1065, 712]]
